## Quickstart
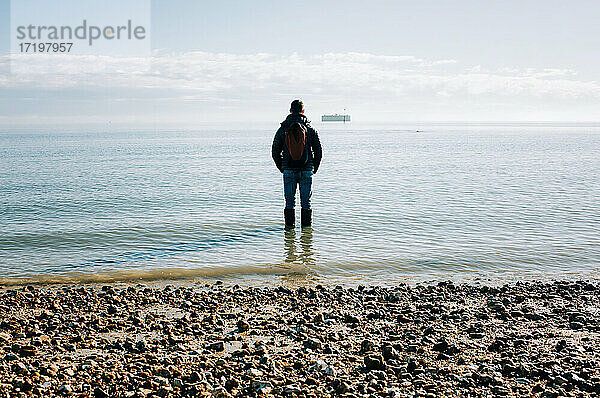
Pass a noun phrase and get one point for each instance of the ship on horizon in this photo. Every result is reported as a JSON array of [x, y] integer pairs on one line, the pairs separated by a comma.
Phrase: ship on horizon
[[336, 118]]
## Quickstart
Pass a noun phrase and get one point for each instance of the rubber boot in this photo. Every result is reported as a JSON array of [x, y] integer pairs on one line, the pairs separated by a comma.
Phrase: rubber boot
[[290, 218], [306, 217]]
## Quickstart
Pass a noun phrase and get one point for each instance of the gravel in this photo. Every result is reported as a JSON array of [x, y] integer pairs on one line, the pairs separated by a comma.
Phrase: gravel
[[219, 340]]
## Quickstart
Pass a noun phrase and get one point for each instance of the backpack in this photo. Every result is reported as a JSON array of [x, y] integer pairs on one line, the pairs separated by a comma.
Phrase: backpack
[[295, 142]]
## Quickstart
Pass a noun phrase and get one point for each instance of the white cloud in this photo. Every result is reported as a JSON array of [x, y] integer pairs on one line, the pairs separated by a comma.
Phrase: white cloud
[[204, 72], [203, 85]]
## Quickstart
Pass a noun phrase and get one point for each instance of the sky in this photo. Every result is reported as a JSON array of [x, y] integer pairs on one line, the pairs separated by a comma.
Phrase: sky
[[241, 62]]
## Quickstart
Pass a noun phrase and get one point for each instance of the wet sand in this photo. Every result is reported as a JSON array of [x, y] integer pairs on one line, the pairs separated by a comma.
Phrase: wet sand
[[194, 340]]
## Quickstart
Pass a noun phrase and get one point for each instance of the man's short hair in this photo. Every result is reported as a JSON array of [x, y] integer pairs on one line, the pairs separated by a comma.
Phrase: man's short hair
[[297, 106]]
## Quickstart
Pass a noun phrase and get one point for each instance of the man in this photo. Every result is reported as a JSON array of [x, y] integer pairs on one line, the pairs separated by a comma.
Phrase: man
[[297, 154]]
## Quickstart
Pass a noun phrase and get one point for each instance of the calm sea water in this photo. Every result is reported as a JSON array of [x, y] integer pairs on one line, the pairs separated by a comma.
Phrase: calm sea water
[[461, 202]]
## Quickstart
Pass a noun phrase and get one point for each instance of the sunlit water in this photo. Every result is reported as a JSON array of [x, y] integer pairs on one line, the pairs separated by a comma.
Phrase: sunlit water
[[458, 202]]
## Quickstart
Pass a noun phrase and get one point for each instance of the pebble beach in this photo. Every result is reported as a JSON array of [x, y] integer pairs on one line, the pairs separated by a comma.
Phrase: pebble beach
[[196, 339]]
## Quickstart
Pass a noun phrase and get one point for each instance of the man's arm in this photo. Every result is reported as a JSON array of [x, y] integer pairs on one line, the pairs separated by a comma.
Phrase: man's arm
[[315, 142], [277, 148]]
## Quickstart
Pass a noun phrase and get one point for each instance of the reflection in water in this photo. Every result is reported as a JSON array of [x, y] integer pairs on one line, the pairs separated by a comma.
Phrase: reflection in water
[[305, 255], [306, 241], [290, 245]]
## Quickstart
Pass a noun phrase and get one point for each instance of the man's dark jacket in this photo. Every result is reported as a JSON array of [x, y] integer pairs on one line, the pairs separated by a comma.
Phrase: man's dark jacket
[[280, 153]]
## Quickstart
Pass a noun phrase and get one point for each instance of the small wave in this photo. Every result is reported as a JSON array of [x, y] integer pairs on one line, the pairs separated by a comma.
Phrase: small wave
[[283, 269]]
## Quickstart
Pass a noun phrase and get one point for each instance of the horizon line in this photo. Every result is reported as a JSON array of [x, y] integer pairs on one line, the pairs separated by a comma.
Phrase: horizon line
[[101, 127]]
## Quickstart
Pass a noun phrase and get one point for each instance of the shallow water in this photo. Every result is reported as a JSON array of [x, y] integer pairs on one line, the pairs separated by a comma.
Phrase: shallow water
[[451, 201]]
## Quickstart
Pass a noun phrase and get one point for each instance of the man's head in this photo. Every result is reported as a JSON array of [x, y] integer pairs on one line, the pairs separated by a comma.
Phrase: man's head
[[297, 106]]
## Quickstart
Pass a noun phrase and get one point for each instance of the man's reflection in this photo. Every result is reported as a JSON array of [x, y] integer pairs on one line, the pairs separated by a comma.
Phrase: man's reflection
[[306, 241], [306, 253], [290, 245]]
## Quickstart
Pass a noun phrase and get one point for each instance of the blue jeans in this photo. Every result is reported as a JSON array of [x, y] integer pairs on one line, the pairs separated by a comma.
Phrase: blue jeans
[[293, 178]]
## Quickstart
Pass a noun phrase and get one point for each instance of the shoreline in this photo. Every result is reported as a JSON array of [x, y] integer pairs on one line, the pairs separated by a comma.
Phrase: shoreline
[[189, 338], [290, 273]]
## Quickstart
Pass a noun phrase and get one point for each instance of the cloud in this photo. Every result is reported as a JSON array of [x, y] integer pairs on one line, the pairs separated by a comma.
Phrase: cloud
[[204, 72], [374, 83]]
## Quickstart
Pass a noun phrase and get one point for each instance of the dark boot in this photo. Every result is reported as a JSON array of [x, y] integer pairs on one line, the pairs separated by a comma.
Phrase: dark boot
[[306, 217], [290, 218]]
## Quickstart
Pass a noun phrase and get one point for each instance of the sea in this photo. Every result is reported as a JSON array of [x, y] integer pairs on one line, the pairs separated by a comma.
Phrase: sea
[[415, 203]]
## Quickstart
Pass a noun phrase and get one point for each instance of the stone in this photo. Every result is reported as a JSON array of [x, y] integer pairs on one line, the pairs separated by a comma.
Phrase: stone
[[389, 352], [442, 346], [195, 377], [232, 384], [262, 387], [65, 389], [100, 393], [342, 387], [216, 346], [20, 368], [253, 373], [291, 389], [243, 326], [366, 346], [5, 338], [313, 344], [220, 392], [141, 345], [321, 366], [27, 351], [576, 325], [374, 362], [351, 319], [310, 381], [112, 310], [10, 357]]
